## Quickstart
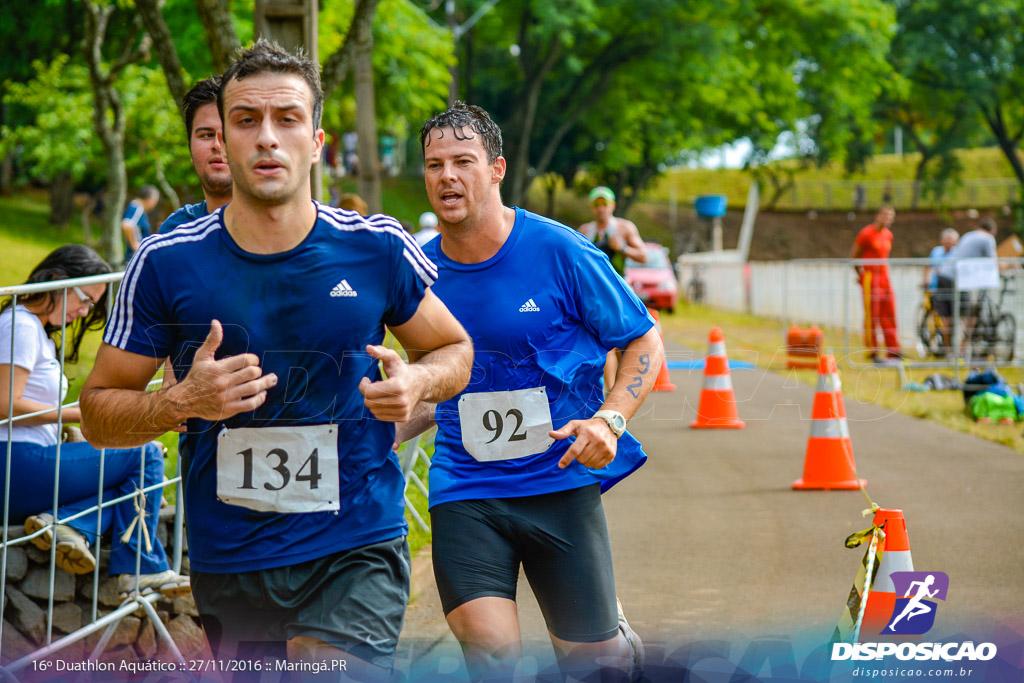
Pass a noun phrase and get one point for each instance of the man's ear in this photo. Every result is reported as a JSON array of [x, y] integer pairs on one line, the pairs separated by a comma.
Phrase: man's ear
[[498, 170], [318, 144]]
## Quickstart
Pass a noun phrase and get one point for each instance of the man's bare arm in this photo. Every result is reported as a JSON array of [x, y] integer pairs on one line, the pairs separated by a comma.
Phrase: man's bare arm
[[634, 248], [441, 356], [117, 412], [595, 444]]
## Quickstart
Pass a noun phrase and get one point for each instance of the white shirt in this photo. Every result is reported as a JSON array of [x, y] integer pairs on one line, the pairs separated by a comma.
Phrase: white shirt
[[35, 352], [425, 235]]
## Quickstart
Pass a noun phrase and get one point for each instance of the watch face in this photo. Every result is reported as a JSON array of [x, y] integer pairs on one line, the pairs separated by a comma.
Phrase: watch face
[[619, 423]]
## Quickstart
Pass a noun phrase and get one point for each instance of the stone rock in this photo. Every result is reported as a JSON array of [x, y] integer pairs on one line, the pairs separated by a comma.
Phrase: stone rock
[[17, 563], [163, 535], [37, 556], [125, 633], [15, 531], [186, 634], [67, 616], [109, 592], [27, 616], [146, 643], [15, 645], [116, 655], [37, 584], [186, 604]]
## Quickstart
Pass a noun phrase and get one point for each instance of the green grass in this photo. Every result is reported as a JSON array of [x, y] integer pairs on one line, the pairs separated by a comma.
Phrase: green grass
[[762, 341]]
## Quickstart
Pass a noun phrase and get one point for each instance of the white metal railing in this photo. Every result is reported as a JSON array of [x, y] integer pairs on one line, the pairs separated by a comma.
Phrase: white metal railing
[[134, 601], [825, 292]]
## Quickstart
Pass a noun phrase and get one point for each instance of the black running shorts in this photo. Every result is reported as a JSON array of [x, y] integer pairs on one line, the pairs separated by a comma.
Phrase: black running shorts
[[354, 600], [561, 540]]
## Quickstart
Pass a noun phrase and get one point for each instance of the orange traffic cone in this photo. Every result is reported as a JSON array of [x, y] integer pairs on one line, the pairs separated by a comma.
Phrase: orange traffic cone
[[895, 557], [717, 409], [664, 382], [828, 463]]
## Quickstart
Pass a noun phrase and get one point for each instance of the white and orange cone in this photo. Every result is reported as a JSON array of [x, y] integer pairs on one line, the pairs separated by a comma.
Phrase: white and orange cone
[[717, 408], [828, 463]]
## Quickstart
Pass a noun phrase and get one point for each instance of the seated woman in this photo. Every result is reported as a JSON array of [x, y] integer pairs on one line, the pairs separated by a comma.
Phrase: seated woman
[[38, 385]]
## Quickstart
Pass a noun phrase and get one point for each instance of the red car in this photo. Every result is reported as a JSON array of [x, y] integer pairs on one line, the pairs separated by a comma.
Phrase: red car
[[655, 281]]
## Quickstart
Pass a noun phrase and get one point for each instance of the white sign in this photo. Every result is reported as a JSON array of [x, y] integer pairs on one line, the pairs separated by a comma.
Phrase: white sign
[[279, 469], [977, 273], [505, 425]]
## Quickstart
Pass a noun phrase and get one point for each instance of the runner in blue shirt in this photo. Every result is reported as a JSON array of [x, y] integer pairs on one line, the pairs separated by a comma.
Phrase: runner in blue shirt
[[522, 454], [203, 128], [273, 310], [135, 223]]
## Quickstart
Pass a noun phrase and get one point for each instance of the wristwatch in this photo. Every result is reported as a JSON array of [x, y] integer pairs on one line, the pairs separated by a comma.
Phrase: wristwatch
[[616, 422]]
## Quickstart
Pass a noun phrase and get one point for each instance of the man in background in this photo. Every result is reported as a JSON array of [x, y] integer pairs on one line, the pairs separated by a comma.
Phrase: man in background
[[206, 151], [135, 224], [875, 242]]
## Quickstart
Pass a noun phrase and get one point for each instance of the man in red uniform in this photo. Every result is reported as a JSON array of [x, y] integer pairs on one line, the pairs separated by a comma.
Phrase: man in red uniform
[[875, 242]]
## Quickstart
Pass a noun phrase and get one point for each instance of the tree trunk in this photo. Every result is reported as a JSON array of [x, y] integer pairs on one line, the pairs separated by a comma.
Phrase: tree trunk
[[62, 199], [156, 27], [366, 121], [338, 65], [220, 32]]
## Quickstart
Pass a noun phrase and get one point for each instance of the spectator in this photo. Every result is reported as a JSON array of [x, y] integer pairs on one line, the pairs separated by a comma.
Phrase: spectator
[[135, 224], [875, 242], [428, 228], [353, 202], [32, 366], [947, 240], [978, 243]]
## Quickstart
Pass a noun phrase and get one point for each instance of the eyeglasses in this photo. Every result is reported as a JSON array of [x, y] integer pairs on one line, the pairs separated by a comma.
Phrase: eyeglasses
[[84, 298]]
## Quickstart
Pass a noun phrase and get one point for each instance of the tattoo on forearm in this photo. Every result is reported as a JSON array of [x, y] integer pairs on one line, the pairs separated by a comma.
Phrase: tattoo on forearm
[[645, 360], [634, 385]]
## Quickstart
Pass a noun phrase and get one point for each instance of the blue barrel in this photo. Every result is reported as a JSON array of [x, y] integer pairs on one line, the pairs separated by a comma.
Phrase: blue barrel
[[710, 205]]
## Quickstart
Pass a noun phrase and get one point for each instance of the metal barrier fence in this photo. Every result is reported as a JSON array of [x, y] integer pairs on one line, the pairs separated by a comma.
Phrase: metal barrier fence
[[135, 601], [900, 194], [825, 292]]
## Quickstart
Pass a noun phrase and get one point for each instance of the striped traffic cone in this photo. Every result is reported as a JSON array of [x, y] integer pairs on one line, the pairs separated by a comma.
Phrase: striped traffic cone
[[663, 382], [895, 557], [828, 463], [717, 408]]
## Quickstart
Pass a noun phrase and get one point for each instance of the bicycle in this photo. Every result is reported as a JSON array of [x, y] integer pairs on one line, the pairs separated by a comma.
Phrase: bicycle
[[695, 288], [931, 338], [994, 333]]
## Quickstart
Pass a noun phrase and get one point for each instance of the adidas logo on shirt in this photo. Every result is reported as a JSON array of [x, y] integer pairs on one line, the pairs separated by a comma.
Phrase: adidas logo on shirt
[[528, 306], [343, 288]]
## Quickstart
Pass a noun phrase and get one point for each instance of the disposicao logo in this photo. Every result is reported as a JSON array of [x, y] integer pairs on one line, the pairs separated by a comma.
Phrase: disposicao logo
[[914, 613]]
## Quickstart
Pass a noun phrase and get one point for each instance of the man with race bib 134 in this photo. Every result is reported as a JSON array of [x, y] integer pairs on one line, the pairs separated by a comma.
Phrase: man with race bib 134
[[522, 455], [273, 311]]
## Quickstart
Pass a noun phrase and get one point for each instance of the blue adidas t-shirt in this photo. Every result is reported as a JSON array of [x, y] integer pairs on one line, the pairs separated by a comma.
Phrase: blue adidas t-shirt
[[542, 312], [185, 214], [308, 314]]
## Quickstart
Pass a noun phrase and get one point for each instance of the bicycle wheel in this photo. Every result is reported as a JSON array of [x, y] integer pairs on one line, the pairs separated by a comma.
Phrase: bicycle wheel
[[1004, 337], [929, 332]]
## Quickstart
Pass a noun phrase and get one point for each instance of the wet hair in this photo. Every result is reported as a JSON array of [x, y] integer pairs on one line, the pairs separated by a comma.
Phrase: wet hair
[[988, 224], [64, 263], [148, 192], [266, 56], [204, 92], [465, 120]]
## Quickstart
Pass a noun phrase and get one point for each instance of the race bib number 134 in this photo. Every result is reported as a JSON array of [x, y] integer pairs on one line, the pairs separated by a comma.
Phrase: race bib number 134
[[279, 469]]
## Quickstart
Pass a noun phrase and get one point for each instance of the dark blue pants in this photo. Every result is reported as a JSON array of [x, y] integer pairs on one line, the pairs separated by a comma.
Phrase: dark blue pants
[[32, 474]]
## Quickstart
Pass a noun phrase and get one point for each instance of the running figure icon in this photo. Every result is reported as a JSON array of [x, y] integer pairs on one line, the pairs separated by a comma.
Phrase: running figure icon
[[916, 606]]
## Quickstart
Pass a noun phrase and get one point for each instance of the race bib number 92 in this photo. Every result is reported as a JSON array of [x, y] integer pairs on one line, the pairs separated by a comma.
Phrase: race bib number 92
[[279, 469], [505, 425]]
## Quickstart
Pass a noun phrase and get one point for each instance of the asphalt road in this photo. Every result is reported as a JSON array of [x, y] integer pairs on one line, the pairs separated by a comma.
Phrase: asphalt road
[[711, 543]]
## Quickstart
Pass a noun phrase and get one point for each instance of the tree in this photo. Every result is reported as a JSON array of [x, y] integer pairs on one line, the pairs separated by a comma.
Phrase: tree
[[108, 112], [971, 51]]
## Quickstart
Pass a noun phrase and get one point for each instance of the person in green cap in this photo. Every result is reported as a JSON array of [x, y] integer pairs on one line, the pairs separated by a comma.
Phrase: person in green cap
[[618, 238]]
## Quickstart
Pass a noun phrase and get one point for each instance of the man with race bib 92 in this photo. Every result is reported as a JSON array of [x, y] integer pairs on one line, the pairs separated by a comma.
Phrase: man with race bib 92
[[523, 453], [273, 310]]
